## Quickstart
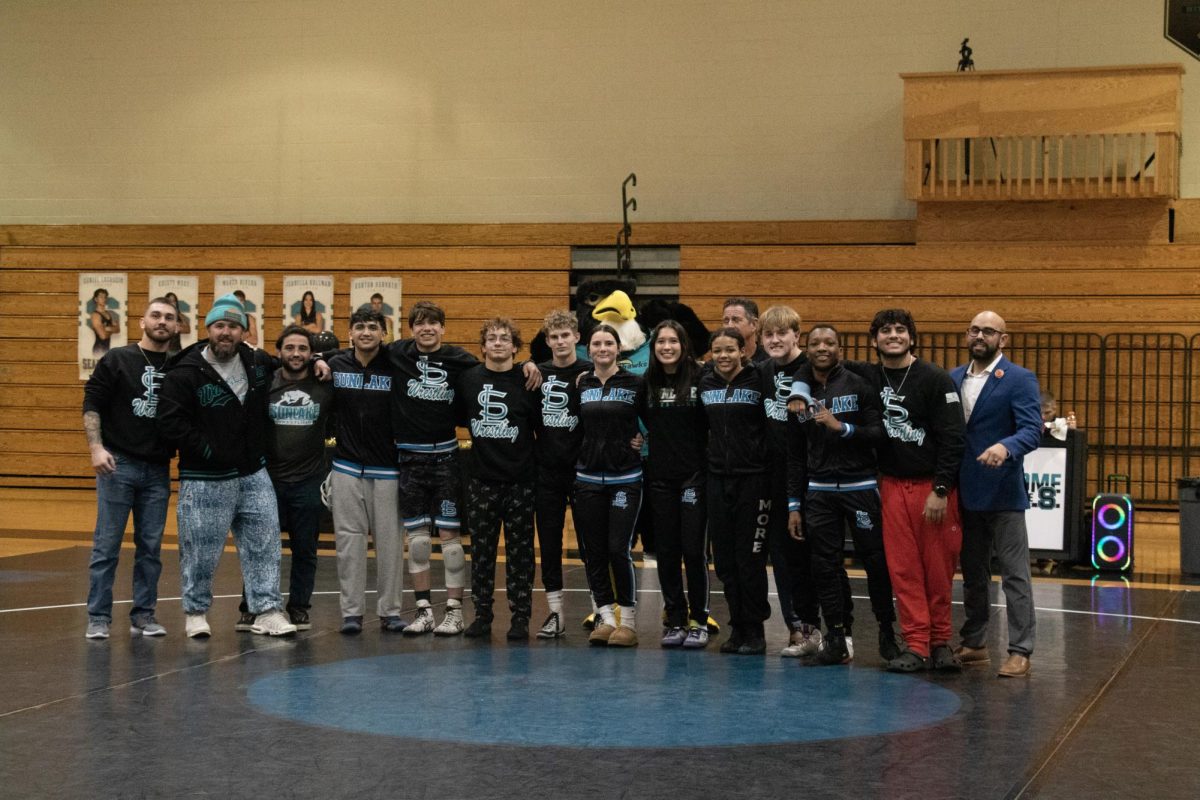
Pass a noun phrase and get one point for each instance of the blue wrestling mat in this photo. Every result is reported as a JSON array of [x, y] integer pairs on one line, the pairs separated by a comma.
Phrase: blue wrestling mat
[[576, 697]]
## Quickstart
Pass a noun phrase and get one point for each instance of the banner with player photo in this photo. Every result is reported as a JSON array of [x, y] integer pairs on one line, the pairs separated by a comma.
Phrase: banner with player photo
[[384, 294], [184, 293], [249, 289], [103, 303], [308, 302]]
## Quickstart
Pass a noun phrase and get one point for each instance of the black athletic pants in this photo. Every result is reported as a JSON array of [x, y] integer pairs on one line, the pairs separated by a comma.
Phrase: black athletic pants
[[604, 518], [739, 516], [491, 504], [791, 560], [680, 514], [827, 513], [555, 491]]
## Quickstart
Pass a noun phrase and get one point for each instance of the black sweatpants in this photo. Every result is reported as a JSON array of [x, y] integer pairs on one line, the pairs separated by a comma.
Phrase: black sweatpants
[[826, 514], [680, 514], [791, 560], [739, 517], [491, 504], [604, 519], [555, 491]]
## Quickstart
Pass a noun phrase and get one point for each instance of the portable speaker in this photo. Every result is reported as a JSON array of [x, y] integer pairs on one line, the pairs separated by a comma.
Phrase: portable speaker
[[1112, 532]]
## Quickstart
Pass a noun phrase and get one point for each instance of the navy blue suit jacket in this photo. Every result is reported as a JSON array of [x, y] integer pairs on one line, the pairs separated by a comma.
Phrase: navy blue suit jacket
[[1008, 411]]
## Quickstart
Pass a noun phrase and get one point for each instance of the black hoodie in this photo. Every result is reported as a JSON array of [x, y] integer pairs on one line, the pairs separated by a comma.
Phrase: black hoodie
[[218, 437]]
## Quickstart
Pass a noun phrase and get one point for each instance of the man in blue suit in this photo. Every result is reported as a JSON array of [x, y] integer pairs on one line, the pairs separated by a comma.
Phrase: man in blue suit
[[1002, 406]]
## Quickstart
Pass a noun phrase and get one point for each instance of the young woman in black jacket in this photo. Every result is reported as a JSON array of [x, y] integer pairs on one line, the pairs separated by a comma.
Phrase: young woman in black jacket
[[608, 486], [677, 432], [739, 491]]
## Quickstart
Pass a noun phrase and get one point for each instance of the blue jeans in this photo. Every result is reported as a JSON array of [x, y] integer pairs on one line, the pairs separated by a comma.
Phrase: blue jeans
[[143, 488], [208, 511]]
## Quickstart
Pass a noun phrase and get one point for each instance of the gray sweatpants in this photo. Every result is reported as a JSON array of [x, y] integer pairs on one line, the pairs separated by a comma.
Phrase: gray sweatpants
[[361, 505]]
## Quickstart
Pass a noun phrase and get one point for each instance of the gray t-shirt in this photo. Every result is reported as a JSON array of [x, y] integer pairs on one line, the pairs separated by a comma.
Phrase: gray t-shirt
[[233, 372]]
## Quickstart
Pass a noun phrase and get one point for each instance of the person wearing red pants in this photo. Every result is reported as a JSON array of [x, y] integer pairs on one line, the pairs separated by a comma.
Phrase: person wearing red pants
[[922, 531]]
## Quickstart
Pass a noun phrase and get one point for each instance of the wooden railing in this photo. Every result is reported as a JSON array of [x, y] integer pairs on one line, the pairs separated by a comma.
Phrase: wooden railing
[[1110, 132]]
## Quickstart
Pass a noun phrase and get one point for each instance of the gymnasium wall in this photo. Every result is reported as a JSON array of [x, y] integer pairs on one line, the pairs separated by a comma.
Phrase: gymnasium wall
[[309, 111]]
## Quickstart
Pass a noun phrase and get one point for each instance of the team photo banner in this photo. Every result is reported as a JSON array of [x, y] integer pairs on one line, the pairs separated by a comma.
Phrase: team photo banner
[[382, 292], [184, 293], [308, 302], [251, 289]]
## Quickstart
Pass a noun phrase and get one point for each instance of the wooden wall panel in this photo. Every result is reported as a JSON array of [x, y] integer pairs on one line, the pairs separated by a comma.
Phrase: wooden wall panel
[[1046, 221]]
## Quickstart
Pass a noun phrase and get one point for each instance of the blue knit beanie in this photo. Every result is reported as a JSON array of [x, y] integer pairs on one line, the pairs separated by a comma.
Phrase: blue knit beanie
[[228, 308]]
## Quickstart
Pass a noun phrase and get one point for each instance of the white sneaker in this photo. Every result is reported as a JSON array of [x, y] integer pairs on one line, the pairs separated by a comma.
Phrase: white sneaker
[[422, 622], [273, 623], [552, 628], [452, 624], [803, 642], [196, 626], [850, 646]]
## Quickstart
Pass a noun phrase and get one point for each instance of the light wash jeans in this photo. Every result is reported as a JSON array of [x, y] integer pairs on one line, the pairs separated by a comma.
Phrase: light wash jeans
[[143, 488], [208, 511]]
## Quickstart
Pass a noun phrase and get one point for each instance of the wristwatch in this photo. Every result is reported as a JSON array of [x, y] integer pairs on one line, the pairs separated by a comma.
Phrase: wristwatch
[[941, 491]]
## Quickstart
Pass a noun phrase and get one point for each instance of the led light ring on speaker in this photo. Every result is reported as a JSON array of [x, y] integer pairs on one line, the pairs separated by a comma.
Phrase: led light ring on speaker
[[1103, 519], [1120, 549]]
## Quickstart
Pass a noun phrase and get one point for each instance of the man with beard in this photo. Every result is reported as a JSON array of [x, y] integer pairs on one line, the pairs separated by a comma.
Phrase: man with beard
[[214, 409], [300, 407], [1002, 406], [132, 464]]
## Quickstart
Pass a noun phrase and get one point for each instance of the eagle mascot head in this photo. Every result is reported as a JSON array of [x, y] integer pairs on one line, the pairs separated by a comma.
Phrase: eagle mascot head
[[614, 301]]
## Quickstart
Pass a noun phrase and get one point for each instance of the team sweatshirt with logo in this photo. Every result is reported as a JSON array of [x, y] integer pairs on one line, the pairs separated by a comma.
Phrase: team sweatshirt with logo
[[923, 418], [833, 457], [362, 396], [423, 412], [737, 420], [124, 390], [676, 432], [502, 416], [559, 433], [609, 414], [218, 437]]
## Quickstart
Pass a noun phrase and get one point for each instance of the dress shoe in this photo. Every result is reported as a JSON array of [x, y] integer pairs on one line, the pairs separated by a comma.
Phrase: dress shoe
[[972, 656], [1015, 666]]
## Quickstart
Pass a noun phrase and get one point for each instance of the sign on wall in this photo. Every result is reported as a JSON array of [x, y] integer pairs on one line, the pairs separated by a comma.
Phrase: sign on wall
[[249, 289], [103, 301], [184, 293], [383, 293], [308, 302], [1046, 484]]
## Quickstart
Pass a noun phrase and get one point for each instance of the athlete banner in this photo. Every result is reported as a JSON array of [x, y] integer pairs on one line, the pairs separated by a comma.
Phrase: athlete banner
[[383, 293], [103, 301], [249, 289], [308, 302], [1046, 483], [184, 293]]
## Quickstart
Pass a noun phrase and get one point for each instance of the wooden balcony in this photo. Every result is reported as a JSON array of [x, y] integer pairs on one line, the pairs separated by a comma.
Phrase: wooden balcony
[[1060, 134]]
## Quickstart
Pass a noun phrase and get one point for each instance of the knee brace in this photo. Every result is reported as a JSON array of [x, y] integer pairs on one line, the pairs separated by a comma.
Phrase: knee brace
[[455, 563], [419, 549]]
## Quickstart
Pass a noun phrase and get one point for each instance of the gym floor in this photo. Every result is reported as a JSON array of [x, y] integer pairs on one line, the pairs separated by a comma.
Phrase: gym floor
[[1111, 708]]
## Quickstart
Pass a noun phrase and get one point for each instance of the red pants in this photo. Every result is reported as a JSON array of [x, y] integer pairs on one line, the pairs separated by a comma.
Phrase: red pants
[[921, 557]]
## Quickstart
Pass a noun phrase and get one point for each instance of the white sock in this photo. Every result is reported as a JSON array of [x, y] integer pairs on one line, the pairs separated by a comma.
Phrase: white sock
[[554, 599], [628, 618], [608, 615]]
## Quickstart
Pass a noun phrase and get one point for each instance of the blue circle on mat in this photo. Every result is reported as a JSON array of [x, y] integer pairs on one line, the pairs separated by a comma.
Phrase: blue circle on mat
[[575, 697]]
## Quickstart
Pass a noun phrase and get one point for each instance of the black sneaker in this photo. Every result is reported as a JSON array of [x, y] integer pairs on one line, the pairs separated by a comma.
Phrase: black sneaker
[[245, 622], [943, 659], [392, 624], [753, 645], [833, 651], [733, 643], [351, 625], [890, 647], [478, 627], [908, 661], [519, 631], [299, 618]]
